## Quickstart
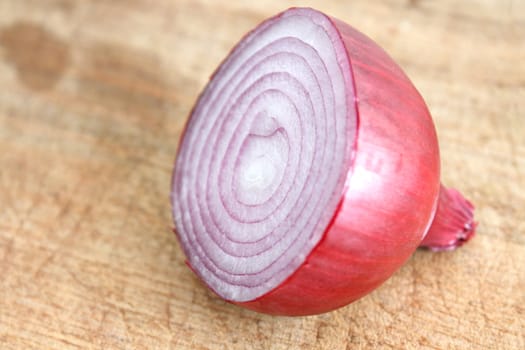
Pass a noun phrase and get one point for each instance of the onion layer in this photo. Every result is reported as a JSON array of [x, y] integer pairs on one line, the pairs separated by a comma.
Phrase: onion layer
[[308, 171]]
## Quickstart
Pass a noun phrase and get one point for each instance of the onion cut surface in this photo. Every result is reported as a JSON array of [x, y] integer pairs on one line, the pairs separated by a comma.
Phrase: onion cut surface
[[308, 171], [263, 162]]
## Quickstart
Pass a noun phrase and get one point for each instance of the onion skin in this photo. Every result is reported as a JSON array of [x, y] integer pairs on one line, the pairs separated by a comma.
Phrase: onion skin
[[393, 201]]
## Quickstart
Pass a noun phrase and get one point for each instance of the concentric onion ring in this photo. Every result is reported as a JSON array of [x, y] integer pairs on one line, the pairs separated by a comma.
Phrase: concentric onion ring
[[263, 161]]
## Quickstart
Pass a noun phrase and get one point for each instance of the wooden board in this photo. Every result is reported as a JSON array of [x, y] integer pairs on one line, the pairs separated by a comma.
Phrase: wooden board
[[93, 97]]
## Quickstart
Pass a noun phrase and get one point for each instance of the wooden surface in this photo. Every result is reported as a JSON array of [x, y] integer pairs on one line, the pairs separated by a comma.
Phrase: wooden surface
[[93, 97]]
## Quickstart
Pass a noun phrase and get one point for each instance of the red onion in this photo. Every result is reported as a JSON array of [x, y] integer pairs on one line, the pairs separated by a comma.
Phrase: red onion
[[308, 172]]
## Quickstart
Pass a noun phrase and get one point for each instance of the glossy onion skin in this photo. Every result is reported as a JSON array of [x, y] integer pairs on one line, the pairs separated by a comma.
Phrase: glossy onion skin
[[390, 194]]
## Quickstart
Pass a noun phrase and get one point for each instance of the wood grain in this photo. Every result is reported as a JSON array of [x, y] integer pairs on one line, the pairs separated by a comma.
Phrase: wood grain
[[93, 97]]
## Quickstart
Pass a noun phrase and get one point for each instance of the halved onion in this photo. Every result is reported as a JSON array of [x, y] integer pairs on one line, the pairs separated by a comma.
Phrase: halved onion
[[308, 159]]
